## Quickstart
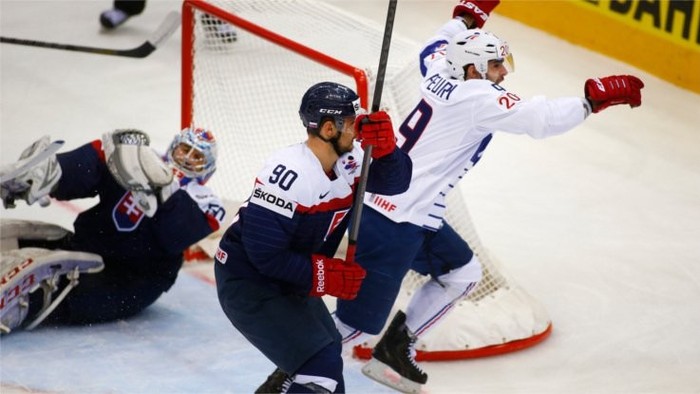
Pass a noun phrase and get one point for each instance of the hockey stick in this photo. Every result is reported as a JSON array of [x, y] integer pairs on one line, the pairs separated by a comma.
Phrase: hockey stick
[[376, 101], [165, 30]]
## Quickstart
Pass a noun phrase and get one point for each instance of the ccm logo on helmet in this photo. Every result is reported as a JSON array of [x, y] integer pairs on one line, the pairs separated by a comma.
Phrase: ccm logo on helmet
[[330, 111]]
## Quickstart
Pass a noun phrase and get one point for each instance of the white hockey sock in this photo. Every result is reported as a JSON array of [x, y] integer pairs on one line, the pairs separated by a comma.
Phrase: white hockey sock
[[436, 298], [351, 336]]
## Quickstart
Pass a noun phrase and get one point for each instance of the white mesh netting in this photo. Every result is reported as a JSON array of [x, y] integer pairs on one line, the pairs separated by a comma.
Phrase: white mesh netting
[[248, 92]]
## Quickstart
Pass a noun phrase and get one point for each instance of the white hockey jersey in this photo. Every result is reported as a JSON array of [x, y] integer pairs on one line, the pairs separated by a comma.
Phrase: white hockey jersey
[[448, 130], [292, 181]]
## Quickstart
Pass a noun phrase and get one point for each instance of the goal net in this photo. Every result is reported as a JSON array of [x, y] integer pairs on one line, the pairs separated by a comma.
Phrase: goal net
[[248, 92]]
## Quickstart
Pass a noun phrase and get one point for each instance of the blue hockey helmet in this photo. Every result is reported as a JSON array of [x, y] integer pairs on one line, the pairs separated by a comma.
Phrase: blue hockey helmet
[[328, 100], [193, 154]]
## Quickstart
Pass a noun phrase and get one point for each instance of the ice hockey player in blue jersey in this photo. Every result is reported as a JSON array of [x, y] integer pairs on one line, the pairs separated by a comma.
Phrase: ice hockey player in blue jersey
[[127, 249], [276, 260], [461, 105]]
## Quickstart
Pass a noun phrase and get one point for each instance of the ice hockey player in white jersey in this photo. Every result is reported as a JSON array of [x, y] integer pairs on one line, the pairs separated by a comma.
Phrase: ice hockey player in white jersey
[[462, 104]]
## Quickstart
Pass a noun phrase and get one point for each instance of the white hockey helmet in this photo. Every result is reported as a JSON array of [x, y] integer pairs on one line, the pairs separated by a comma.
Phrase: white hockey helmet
[[476, 47], [193, 154]]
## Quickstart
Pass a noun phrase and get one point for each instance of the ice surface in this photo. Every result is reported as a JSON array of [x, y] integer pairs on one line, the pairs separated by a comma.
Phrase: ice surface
[[602, 224]]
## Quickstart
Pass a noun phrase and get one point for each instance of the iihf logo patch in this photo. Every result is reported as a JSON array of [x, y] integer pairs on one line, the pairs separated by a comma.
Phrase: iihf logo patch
[[126, 214], [221, 256], [350, 165]]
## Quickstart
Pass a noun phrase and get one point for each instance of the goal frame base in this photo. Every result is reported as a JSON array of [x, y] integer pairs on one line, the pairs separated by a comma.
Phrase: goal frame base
[[365, 353]]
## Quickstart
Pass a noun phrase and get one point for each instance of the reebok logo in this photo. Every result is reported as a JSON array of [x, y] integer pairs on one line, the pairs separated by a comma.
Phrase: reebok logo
[[320, 276]]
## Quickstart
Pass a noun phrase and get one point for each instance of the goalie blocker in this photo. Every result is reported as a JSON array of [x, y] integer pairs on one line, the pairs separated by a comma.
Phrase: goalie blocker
[[26, 270]]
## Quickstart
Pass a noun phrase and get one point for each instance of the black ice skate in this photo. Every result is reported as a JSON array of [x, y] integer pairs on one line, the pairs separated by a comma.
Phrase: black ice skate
[[113, 18], [392, 362], [277, 382]]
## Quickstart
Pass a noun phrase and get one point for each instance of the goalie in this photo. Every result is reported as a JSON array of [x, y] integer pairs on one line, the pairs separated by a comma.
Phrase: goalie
[[127, 249]]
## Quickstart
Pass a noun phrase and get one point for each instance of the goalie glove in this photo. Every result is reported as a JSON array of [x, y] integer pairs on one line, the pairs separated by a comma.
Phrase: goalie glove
[[375, 129], [613, 90], [136, 167], [335, 277]]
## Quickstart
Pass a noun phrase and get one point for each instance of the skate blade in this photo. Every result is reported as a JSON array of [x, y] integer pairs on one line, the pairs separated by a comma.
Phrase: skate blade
[[382, 373]]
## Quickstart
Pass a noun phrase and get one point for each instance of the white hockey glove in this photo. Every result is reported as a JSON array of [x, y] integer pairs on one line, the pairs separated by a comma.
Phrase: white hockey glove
[[37, 182], [136, 167]]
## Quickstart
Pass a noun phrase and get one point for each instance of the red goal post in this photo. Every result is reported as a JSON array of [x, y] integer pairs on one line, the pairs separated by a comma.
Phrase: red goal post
[[188, 22], [248, 92]]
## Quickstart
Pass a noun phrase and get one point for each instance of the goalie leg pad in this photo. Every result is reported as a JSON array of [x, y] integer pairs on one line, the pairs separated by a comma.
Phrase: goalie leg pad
[[28, 269], [12, 230]]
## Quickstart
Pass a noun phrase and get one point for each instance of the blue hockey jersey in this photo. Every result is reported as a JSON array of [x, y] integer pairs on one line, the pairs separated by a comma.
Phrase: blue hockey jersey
[[296, 210], [119, 231]]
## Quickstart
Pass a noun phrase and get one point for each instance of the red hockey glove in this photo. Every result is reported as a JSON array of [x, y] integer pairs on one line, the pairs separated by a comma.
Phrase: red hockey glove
[[613, 90], [375, 129], [478, 9], [335, 277]]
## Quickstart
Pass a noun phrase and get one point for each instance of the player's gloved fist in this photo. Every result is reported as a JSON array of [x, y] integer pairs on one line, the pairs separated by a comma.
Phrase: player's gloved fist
[[479, 10], [375, 129], [335, 277], [613, 90]]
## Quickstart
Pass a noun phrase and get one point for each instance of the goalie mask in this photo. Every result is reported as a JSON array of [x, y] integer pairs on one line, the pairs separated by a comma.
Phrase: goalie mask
[[476, 47], [328, 100], [193, 155]]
